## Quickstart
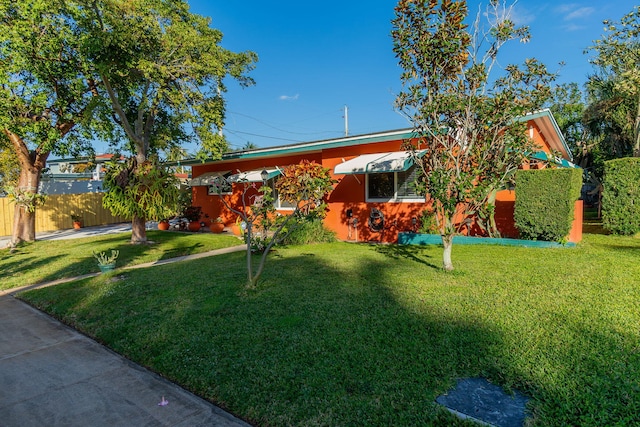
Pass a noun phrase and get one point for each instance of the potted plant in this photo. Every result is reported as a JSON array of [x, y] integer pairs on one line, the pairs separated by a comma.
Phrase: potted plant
[[107, 262], [237, 228], [217, 226], [77, 221], [193, 215]]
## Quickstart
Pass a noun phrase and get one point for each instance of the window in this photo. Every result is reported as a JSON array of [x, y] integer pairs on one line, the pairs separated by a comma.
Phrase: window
[[279, 204], [393, 186], [220, 185]]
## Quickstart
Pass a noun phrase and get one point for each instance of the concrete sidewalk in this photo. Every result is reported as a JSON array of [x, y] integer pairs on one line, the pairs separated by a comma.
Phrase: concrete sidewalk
[[52, 375]]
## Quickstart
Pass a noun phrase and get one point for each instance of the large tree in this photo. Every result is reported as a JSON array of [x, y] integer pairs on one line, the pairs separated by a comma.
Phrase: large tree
[[162, 69], [465, 111], [46, 96], [615, 87]]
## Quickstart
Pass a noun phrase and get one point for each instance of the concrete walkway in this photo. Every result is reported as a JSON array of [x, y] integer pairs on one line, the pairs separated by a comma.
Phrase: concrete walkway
[[52, 375]]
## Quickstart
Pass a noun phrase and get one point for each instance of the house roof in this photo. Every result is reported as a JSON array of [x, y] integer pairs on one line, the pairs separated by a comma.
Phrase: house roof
[[305, 147], [542, 118], [551, 131]]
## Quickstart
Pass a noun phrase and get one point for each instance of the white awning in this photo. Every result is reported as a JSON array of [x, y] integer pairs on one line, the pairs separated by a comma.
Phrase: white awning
[[207, 178], [395, 161], [254, 176]]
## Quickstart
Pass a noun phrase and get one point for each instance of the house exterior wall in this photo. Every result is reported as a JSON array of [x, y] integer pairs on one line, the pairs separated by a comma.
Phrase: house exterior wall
[[212, 205], [349, 194]]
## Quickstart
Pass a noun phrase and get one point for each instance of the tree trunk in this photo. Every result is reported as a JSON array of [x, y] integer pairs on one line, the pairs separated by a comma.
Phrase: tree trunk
[[251, 282], [138, 230], [493, 227], [31, 165], [24, 226], [24, 221], [447, 242]]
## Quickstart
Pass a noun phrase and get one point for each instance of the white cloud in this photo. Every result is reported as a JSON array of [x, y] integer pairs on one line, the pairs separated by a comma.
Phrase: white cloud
[[574, 27], [573, 11], [580, 13], [288, 98], [522, 16]]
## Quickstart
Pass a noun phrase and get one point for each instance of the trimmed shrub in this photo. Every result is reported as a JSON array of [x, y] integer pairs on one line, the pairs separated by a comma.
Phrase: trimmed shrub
[[621, 196], [545, 202], [309, 231]]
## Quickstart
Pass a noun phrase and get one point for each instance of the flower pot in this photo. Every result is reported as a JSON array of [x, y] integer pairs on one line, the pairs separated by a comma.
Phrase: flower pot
[[235, 229], [77, 225], [163, 225], [216, 227], [107, 267], [194, 226]]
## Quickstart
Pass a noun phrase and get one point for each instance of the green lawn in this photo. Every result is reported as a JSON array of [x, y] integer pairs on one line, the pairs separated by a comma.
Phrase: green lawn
[[47, 260], [351, 334]]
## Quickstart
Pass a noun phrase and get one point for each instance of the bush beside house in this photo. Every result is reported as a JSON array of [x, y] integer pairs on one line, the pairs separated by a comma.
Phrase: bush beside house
[[621, 196], [545, 200]]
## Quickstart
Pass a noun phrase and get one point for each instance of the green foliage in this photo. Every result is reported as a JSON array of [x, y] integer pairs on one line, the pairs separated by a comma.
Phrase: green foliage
[[9, 168], [146, 190], [163, 69], [467, 119], [428, 223], [615, 87], [309, 231], [26, 199], [621, 196], [545, 202], [305, 185], [47, 96]]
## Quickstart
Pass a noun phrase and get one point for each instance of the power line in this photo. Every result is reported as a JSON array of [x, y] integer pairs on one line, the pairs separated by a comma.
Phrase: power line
[[283, 130]]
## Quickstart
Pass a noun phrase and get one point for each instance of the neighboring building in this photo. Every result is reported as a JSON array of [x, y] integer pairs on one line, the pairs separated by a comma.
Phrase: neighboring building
[[74, 175], [372, 171], [80, 175]]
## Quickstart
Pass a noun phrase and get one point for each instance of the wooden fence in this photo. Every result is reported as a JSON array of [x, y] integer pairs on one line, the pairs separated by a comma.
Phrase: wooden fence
[[56, 212]]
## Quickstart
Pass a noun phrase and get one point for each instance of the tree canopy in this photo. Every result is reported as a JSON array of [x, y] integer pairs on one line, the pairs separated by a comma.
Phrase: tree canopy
[[47, 96], [162, 71], [464, 110], [615, 87]]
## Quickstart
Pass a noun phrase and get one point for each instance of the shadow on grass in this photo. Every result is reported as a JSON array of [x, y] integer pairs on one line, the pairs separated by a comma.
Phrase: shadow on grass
[[338, 336], [30, 263], [412, 253], [315, 344]]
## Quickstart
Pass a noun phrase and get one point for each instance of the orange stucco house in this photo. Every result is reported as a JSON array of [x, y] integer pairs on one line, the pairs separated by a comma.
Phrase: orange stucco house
[[373, 172]]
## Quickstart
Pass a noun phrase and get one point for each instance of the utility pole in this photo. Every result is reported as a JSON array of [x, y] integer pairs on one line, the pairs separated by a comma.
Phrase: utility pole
[[346, 121]]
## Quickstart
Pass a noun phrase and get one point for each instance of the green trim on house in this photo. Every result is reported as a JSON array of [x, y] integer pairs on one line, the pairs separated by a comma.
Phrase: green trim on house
[[405, 238]]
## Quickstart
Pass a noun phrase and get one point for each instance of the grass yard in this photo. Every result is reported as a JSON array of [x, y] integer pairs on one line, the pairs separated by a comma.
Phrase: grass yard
[[352, 334], [47, 260]]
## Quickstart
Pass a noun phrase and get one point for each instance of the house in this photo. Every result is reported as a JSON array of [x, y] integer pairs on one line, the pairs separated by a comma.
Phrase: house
[[373, 198]]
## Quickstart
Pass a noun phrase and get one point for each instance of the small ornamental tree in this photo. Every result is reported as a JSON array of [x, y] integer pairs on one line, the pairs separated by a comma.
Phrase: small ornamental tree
[[465, 118], [304, 185]]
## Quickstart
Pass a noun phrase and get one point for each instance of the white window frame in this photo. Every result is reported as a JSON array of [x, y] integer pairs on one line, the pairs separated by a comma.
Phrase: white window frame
[[277, 203], [394, 198]]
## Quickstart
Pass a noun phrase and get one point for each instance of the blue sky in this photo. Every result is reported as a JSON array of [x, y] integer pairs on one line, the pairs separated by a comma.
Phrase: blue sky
[[317, 57]]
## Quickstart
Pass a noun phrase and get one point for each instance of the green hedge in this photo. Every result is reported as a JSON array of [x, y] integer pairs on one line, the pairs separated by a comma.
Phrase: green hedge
[[621, 196], [545, 200]]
